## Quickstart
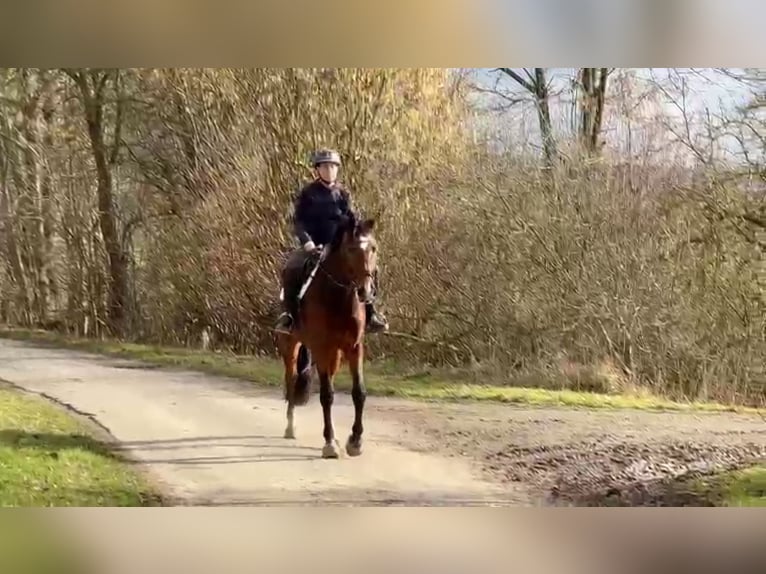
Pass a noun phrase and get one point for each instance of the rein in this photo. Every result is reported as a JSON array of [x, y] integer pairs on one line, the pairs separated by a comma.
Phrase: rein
[[319, 266], [351, 286]]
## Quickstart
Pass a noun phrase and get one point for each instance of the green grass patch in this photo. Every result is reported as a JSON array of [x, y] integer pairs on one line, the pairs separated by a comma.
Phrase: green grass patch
[[381, 380], [745, 487], [50, 458]]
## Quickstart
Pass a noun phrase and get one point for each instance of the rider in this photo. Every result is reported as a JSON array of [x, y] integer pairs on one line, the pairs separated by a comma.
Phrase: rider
[[318, 209]]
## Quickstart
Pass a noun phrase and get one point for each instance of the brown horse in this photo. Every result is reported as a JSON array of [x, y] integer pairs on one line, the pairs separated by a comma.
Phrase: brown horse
[[331, 326]]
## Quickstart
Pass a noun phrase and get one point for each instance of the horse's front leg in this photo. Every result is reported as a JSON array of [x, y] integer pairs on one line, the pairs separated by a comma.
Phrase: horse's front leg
[[355, 358], [327, 368]]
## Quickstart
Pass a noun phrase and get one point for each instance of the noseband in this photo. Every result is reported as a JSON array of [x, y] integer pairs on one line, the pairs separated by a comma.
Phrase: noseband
[[346, 286]]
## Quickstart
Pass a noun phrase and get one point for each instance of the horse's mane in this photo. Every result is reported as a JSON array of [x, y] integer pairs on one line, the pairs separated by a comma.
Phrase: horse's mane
[[348, 223]]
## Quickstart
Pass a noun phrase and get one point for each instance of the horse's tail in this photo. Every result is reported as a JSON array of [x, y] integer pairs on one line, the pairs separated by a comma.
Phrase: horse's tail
[[302, 388]]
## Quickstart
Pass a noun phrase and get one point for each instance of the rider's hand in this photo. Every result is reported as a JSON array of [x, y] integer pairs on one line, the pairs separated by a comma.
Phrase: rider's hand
[[309, 246]]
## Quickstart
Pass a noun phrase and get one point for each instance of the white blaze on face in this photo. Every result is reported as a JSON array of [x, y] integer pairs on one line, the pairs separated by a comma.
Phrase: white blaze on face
[[364, 243]]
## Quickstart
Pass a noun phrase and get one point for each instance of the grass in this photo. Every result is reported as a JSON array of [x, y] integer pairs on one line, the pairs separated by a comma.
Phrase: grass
[[50, 458], [381, 380], [745, 487]]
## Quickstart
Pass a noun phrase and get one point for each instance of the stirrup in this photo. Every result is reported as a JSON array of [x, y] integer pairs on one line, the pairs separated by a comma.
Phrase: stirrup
[[379, 326], [285, 317]]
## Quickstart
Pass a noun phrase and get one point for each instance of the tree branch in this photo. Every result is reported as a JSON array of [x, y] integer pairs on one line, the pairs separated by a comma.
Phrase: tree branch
[[518, 78]]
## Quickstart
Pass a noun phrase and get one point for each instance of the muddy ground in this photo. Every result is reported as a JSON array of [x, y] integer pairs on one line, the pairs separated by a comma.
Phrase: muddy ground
[[589, 457]]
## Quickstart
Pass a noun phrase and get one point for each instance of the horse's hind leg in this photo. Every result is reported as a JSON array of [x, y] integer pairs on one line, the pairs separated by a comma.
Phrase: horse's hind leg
[[289, 350], [328, 366]]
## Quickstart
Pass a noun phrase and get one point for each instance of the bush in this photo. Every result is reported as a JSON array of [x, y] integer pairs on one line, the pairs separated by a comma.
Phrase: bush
[[596, 275]]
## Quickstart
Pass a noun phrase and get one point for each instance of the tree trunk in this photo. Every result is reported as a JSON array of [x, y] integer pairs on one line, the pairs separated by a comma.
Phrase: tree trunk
[[593, 86], [35, 130], [92, 86], [15, 261], [544, 117], [537, 85]]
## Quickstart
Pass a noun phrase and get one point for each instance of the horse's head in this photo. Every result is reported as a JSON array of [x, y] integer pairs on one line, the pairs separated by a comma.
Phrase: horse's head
[[355, 246]]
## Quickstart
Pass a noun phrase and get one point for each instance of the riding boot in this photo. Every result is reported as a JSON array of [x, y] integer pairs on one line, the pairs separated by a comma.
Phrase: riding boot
[[288, 320], [376, 323]]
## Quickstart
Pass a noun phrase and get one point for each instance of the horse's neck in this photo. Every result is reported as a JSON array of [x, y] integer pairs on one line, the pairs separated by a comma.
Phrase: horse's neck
[[335, 282]]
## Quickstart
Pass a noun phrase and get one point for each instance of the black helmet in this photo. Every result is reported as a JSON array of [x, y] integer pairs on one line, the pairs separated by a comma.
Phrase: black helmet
[[325, 156]]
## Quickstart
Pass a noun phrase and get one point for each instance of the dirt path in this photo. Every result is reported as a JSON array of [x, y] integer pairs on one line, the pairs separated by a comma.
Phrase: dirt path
[[211, 440]]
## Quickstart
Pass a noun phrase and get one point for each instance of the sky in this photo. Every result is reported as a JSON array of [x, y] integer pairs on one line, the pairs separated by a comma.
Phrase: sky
[[710, 95]]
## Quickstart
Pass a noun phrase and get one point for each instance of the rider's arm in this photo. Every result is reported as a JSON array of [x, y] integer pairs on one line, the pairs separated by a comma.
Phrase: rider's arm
[[299, 216], [346, 204]]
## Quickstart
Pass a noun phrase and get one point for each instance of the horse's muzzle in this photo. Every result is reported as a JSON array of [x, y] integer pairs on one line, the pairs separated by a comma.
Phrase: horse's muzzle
[[368, 289]]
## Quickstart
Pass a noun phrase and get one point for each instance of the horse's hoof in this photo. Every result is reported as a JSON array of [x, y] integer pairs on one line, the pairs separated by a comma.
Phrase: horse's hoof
[[289, 432], [331, 450], [353, 449]]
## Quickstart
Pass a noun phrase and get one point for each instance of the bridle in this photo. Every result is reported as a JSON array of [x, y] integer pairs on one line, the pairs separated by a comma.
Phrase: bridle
[[346, 286]]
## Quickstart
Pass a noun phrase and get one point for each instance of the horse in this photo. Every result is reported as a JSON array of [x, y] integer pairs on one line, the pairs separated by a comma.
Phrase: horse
[[331, 327]]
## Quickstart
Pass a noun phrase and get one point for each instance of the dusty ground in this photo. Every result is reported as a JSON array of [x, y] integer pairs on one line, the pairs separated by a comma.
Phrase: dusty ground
[[565, 456], [216, 441], [210, 440]]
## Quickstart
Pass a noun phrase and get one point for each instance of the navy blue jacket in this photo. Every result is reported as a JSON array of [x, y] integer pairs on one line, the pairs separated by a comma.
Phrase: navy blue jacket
[[318, 210]]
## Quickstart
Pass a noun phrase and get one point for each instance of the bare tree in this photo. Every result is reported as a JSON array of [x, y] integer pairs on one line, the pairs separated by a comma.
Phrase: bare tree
[[592, 83], [27, 203], [92, 85], [170, 190], [536, 84]]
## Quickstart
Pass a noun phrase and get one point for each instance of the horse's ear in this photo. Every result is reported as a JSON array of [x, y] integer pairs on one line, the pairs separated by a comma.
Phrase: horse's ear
[[367, 226]]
